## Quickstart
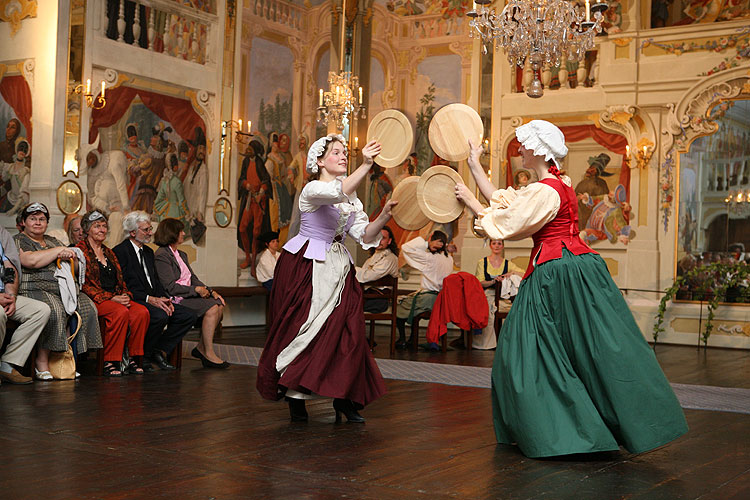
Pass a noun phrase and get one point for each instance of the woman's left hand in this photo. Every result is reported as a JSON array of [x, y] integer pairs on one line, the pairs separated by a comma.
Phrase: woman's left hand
[[66, 253], [218, 297], [370, 151], [464, 194]]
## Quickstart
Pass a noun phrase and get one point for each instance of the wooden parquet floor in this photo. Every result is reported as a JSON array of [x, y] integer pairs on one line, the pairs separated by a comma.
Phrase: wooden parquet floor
[[202, 434]]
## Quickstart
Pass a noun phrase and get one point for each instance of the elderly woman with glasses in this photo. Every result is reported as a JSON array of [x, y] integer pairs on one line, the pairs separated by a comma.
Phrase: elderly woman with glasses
[[106, 287], [40, 254]]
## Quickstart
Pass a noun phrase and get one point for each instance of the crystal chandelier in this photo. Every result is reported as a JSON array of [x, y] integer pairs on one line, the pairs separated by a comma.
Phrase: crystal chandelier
[[738, 202], [344, 95], [544, 32], [343, 99]]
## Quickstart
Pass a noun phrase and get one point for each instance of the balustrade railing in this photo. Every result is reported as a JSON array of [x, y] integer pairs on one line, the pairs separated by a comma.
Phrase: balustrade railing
[[568, 75], [161, 26], [279, 11]]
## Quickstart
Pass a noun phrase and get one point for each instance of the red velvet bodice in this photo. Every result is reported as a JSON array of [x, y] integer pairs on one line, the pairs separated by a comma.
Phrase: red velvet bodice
[[559, 232]]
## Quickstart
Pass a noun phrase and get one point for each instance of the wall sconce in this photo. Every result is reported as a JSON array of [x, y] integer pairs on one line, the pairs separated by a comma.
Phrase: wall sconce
[[97, 102], [642, 155], [238, 133]]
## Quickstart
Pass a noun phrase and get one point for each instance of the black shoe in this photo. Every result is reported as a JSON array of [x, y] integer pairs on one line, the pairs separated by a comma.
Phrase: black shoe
[[347, 408], [297, 409], [402, 344], [147, 366], [207, 363], [158, 359]]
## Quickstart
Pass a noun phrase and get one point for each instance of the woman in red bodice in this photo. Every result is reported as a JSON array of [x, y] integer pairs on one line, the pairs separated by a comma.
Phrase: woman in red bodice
[[572, 371]]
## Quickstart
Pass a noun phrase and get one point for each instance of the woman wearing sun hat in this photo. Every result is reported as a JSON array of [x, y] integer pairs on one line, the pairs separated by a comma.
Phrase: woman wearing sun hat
[[572, 371]]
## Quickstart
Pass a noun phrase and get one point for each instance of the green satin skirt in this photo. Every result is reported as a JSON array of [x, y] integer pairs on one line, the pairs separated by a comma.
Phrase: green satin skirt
[[572, 371]]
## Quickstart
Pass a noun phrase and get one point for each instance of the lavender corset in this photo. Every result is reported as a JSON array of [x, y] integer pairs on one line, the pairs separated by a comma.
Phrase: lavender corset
[[319, 228]]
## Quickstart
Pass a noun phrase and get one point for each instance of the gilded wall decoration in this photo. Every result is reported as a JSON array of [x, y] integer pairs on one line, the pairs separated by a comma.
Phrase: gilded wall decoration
[[14, 11], [683, 12]]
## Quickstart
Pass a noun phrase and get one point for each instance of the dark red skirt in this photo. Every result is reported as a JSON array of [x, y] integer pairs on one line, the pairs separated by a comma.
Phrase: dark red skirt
[[338, 362]]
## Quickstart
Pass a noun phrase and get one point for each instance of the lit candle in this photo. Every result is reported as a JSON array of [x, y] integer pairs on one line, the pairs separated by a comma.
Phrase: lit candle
[[88, 86], [588, 11], [627, 151], [645, 151], [102, 89], [249, 122], [360, 95], [320, 100], [356, 139], [240, 127]]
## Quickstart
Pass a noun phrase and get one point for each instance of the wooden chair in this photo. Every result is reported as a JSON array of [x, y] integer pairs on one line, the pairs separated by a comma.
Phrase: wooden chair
[[415, 331], [391, 296]]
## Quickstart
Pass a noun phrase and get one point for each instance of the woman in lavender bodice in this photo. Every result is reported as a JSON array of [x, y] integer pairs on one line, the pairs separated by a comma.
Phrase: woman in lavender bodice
[[316, 343]]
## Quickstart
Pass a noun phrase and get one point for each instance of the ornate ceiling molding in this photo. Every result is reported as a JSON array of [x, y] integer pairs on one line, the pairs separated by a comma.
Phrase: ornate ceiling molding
[[14, 11]]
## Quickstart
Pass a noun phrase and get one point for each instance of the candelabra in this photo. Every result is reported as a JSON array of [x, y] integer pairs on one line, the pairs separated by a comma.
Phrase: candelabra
[[94, 102], [738, 202], [339, 101], [642, 155], [540, 32]]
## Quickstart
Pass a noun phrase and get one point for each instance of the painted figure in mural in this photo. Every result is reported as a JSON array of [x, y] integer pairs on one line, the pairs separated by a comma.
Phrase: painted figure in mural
[[170, 199], [296, 167], [579, 399], [282, 187], [522, 179], [406, 169], [378, 190], [107, 182], [609, 217], [134, 150], [254, 190], [149, 169], [708, 11], [17, 174], [196, 178], [8, 146], [660, 13], [284, 145], [592, 188]]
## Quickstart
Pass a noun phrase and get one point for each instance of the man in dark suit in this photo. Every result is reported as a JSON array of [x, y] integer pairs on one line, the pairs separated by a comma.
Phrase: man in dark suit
[[137, 263]]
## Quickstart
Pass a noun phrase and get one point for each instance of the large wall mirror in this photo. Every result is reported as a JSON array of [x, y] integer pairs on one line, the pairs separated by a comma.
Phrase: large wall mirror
[[76, 38], [714, 200]]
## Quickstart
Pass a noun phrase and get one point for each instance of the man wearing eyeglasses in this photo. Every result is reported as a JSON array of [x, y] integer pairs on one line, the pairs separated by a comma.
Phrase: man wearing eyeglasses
[[136, 259]]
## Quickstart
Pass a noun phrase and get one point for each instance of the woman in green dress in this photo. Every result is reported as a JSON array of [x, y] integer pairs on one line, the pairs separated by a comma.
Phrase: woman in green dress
[[572, 371]]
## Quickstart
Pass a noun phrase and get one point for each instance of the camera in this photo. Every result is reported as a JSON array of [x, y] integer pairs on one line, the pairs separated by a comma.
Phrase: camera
[[7, 274]]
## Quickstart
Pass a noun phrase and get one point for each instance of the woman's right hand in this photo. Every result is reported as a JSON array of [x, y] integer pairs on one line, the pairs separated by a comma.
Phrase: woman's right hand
[[121, 299], [65, 253], [202, 291], [475, 152]]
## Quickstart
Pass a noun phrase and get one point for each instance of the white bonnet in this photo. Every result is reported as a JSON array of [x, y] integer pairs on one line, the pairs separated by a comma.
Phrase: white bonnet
[[318, 148], [544, 139]]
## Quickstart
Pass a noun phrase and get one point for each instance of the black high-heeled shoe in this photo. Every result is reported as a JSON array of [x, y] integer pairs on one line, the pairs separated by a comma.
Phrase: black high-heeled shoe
[[347, 408], [207, 363], [297, 409]]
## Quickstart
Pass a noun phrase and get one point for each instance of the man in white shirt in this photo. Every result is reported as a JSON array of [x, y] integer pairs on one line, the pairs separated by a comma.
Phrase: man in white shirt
[[383, 262], [435, 263], [267, 259]]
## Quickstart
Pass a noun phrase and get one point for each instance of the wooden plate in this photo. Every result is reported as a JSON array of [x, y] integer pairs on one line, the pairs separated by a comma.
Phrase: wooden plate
[[436, 194], [393, 131], [451, 128], [407, 213]]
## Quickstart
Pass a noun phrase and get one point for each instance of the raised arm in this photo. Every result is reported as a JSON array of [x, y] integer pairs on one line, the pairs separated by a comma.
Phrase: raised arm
[[483, 183], [370, 151]]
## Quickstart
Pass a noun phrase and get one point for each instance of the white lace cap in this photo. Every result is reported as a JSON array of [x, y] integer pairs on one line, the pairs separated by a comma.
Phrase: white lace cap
[[544, 139], [318, 148]]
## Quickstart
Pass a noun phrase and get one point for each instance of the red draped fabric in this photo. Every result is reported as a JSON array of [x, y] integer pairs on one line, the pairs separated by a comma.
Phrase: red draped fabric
[[178, 112], [16, 93], [613, 142]]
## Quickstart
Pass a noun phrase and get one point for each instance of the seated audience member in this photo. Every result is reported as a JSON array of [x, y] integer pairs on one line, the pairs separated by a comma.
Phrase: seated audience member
[[268, 258], [187, 290], [383, 262], [75, 231], [139, 270], [432, 260], [494, 268], [31, 314], [106, 287], [39, 255]]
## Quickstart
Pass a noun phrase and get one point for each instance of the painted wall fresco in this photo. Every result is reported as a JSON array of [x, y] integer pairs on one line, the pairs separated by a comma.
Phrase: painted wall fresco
[[139, 159], [15, 147], [683, 12]]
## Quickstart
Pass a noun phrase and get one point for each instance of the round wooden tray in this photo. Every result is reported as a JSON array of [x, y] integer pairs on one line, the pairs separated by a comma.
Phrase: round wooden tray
[[436, 194], [407, 213], [393, 131], [451, 128]]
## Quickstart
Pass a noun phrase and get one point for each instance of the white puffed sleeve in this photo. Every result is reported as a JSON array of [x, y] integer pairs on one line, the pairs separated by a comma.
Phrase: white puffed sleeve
[[515, 215], [361, 221], [317, 193]]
